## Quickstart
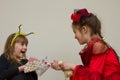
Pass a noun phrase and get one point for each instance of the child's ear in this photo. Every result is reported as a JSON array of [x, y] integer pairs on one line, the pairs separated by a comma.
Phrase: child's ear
[[84, 29]]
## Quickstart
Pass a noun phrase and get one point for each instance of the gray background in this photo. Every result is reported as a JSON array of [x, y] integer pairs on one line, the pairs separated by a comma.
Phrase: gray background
[[50, 20]]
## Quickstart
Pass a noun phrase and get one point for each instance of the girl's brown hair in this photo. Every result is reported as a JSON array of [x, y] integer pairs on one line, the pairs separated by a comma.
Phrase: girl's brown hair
[[8, 49], [88, 19]]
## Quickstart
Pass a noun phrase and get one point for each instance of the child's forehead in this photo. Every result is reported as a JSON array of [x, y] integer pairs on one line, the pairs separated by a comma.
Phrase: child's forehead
[[21, 40]]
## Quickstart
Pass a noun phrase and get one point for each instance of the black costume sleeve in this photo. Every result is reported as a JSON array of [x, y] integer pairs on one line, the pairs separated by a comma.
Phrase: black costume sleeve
[[5, 71]]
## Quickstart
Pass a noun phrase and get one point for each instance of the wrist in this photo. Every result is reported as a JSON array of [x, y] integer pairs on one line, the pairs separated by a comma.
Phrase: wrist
[[72, 66]]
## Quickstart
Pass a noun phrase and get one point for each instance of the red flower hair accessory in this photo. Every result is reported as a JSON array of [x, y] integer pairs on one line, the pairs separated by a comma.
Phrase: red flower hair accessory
[[76, 16]]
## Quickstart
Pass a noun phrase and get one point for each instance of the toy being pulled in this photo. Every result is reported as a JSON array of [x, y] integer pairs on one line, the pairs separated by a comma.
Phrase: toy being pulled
[[67, 73], [40, 66]]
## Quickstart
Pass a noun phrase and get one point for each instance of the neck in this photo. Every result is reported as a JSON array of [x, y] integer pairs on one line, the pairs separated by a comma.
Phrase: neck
[[93, 36], [17, 59]]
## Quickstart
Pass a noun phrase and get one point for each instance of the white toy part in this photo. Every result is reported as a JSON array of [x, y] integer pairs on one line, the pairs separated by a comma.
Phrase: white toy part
[[40, 66]]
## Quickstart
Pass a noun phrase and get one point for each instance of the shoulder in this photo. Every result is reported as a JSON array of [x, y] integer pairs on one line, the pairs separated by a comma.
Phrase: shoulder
[[3, 57], [99, 47], [3, 61]]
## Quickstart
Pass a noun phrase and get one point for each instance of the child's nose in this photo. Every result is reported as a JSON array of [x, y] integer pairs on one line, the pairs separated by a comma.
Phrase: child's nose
[[24, 46]]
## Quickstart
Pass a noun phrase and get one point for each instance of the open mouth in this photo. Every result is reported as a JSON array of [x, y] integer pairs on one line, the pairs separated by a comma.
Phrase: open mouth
[[23, 52]]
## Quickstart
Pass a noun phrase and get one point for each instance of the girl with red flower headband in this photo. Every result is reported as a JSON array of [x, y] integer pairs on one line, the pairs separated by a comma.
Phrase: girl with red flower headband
[[100, 62]]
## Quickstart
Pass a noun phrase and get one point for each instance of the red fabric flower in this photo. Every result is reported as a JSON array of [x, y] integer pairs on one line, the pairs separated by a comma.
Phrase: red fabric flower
[[77, 15]]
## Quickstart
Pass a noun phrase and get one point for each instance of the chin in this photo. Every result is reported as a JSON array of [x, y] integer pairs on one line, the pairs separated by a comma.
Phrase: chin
[[81, 43], [22, 56]]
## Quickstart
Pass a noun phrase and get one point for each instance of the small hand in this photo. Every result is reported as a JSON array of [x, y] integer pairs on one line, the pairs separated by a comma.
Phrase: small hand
[[55, 65], [60, 65], [21, 68], [66, 66]]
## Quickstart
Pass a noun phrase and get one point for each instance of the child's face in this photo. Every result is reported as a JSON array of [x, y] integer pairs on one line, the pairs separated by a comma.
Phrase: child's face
[[80, 35], [19, 50]]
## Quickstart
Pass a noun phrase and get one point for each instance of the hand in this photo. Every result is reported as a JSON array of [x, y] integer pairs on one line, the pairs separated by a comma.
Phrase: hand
[[66, 66], [60, 65], [21, 68], [55, 65]]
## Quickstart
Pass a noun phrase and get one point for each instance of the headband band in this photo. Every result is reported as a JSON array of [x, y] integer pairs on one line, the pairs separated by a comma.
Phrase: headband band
[[18, 34]]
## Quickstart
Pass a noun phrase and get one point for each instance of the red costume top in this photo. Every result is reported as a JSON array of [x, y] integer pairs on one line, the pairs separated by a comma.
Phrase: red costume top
[[97, 66]]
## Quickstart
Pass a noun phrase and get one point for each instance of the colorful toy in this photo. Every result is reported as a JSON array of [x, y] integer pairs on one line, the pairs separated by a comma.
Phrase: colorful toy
[[40, 66]]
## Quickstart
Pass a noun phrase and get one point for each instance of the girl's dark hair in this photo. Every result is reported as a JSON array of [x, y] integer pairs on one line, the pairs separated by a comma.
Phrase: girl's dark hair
[[91, 21]]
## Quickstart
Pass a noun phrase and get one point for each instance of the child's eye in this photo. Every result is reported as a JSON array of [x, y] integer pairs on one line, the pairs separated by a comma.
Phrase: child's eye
[[22, 44]]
